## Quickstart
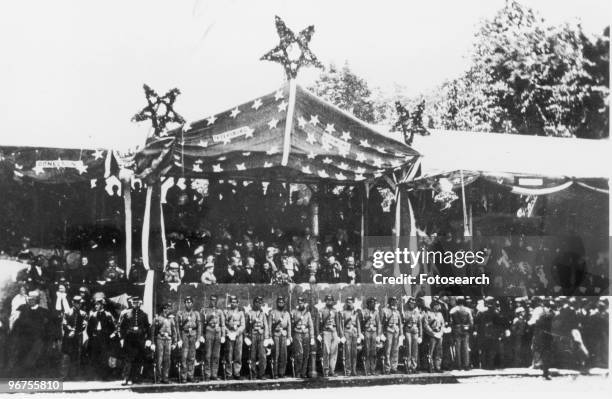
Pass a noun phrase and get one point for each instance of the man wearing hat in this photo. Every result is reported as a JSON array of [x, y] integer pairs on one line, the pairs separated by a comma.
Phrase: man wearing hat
[[208, 277], [433, 326], [330, 331], [213, 321], [541, 322], [490, 326], [173, 273], [134, 333], [234, 327], [165, 334], [413, 330], [303, 336], [372, 331], [257, 335], [190, 334], [74, 323], [100, 327], [392, 331], [462, 323], [351, 332], [280, 328]]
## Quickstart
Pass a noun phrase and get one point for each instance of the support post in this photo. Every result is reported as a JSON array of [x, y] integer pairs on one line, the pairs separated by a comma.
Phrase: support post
[[127, 203]]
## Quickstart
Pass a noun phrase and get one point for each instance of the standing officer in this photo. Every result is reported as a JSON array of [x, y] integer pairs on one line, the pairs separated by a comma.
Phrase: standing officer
[[372, 330], [392, 330], [234, 325], [413, 330], [433, 324], [351, 331], [303, 337], [74, 323], [190, 330], [100, 327], [280, 329], [165, 334], [257, 337], [214, 330], [462, 323], [330, 331], [490, 328], [134, 331]]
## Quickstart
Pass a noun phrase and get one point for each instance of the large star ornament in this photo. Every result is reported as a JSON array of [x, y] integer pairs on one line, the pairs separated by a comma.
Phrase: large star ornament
[[292, 52], [159, 110]]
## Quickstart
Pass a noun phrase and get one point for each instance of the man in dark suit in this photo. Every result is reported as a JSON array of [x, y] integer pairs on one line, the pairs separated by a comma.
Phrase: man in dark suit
[[134, 332]]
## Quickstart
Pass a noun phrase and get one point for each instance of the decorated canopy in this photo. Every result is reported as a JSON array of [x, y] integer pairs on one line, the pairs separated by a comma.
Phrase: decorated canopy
[[55, 165], [258, 140]]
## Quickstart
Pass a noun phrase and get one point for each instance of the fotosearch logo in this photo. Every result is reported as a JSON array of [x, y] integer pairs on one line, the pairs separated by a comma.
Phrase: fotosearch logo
[[404, 256]]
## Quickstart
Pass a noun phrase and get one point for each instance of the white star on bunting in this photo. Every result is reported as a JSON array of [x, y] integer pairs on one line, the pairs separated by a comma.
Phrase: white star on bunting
[[272, 124], [246, 154], [326, 145], [217, 168], [197, 168], [38, 169], [311, 138], [340, 176], [241, 166], [330, 128], [311, 155], [306, 169], [323, 174], [378, 163], [278, 95], [346, 136], [249, 132], [222, 158], [302, 122], [211, 120], [203, 143], [235, 112], [82, 168], [360, 157], [314, 120], [267, 164], [343, 151], [381, 150], [364, 143], [360, 170], [256, 104], [359, 177], [327, 160], [282, 106], [98, 154], [343, 166], [272, 150]]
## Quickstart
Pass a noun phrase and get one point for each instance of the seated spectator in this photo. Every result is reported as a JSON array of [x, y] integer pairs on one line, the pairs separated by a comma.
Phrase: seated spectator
[[248, 275], [349, 274], [229, 276], [112, 271], [208, 277], [85, 273], [173, 273], [331, 271], [18, 300], [290, 263], [192, 273], [138, 273]]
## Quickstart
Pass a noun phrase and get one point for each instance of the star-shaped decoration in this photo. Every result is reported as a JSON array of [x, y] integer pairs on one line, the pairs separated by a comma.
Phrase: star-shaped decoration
[[203, 143], [186, 126], [174, 286], [211, 120], [197, 168], [314, 120], [235, 112], [340, 176], [227, 140], [38, 169], [323, 174], [311, 155], [359, 177], [278, 95], [302, 122], [360, 170], [98, 154], [221, 158], [361, 157], [343, 151], [256, 104], [81, 168], [364, 143], [326, 145], [377, 174], [381, 150], [267, 164], [311, 139], [217, 168], [327, 160], [159, 110], [343, 166], [346, 136], [249, 132], [306, 169], [282, 107], [330, 128], [18, 167], [241, 166], [273, 150], [292, 52], [246, 154], [272, 124], [378, 163]]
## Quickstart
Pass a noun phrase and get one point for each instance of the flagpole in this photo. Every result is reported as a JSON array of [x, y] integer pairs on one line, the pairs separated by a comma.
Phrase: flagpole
[[289, 123]]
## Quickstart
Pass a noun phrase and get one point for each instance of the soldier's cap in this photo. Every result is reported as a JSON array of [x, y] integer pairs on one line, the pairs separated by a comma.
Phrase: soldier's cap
[[371, 299], [350, 298], [100, 300], [329, 297], [136, 298], [167, 305], [301, 298], [213, 297], [520, 309], [258, 299], [435, 302], [233, 298], [280, 298], [392, 299], [173, 265], [188, 298], [411, 299], [77, 298]]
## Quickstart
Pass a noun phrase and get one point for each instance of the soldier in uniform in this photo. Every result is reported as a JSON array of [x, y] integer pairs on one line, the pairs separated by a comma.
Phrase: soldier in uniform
[[433, 325], [74, 323], [541, 321], [235, 324], [462, 323], [100, 328], [351, 332], [165, 334], [392, 334], [213, 319], [190, 330], [330, 331], [413, 330], [257, 337], [372, 330], [134, 333], [303, 337], [490, 326], [280, 329]]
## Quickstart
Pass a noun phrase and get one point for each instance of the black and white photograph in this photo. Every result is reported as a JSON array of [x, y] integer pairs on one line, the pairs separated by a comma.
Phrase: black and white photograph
[[276, 198]]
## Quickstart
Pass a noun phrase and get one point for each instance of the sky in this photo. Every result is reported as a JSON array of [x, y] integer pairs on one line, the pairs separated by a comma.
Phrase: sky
[[71, 72]]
